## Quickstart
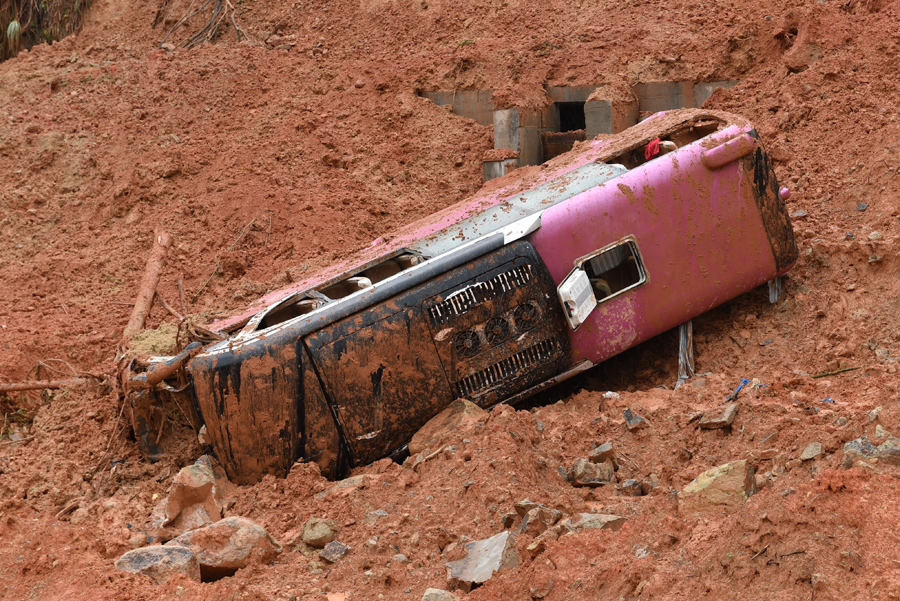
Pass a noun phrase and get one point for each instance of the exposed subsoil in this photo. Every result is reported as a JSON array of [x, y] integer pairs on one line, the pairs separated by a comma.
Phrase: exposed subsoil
[[311, 140]]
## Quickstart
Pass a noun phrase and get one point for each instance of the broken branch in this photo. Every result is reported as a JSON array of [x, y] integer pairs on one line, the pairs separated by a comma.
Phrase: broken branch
[[837, 371], [144, 300], [168, 307], [181, 293], [42, 385]]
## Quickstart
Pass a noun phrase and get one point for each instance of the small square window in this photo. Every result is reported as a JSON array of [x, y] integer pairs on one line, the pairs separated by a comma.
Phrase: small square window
[[614, 270]]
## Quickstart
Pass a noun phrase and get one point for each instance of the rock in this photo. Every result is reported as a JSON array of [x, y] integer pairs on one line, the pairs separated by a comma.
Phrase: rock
[[859, 448], [876, 235], [719, 418], [399, 558], [228, 545], [496, 554], [880, 432], [455, 414], [203, 437], [159, 562], [632, 488], [436, 594], [889, 451], [602, 454], [539, 545], [633, 420], [649, 483], [344, 487], [593, 521], [526, 505], [199, 496], [761, 481], [768, 454], [374, 516], [812, 450], [318, 532], [541, 585], [874, 413], [585, 473], [727, 485], [537, 520], [509, 519], [841, 421], [334, 551]]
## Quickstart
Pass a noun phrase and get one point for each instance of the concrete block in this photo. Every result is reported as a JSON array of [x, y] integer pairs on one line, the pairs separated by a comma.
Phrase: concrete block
[[609, 117], [655, 96], [474, 104], [529, 145], [704, 89], [506, 129], [570, 93], [495, 169]]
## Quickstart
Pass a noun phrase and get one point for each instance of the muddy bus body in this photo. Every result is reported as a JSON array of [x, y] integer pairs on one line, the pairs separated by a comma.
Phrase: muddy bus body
[[546, 273]]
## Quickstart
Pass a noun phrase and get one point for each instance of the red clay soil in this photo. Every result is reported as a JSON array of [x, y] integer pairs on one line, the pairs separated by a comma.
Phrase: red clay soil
[[309, 138]]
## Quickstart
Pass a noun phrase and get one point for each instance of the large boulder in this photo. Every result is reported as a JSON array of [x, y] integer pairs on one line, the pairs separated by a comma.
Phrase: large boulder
[[456, 413], [727, 485], [228, 545], [160, 562], [484, 558], [199, 496]]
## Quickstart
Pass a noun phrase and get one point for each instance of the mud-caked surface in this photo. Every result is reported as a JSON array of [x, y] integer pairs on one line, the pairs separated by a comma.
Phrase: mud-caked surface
[[272, 158]]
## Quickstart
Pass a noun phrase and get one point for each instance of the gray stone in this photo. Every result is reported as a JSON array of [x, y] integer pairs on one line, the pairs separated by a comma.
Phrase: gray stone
[[632, 488], [334, 551], [160, 562], [593, 521], [859, 448], [318, 532], [399, 558], [812, 450], [719, 418], [497, 554], [374, 516], [228, 545], [436, 594], [585, 473], [880, 432], [874, 413], [603, 453], [633, 420]]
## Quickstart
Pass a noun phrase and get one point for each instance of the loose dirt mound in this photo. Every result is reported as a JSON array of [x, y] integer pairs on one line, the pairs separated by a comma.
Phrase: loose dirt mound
[[311, 140]]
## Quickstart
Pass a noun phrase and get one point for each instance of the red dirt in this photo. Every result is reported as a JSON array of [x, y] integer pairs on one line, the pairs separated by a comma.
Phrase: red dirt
[[104, 138]]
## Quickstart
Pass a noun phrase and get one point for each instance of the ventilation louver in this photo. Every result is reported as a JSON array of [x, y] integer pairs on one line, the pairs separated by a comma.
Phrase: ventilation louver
[[513, 366], [478, 293]]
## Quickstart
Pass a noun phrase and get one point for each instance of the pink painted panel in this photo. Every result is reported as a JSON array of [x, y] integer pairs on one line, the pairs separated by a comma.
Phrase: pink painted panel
[[699, 233]]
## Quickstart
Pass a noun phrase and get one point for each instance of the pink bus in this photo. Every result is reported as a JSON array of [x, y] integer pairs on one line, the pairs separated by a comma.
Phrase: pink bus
[[542, 275]]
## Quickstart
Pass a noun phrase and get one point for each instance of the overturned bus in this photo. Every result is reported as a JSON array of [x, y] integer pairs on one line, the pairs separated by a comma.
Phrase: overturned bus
[[542, 275]]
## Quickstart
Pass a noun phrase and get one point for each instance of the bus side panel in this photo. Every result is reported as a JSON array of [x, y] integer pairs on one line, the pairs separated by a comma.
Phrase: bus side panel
[[699, 232]]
